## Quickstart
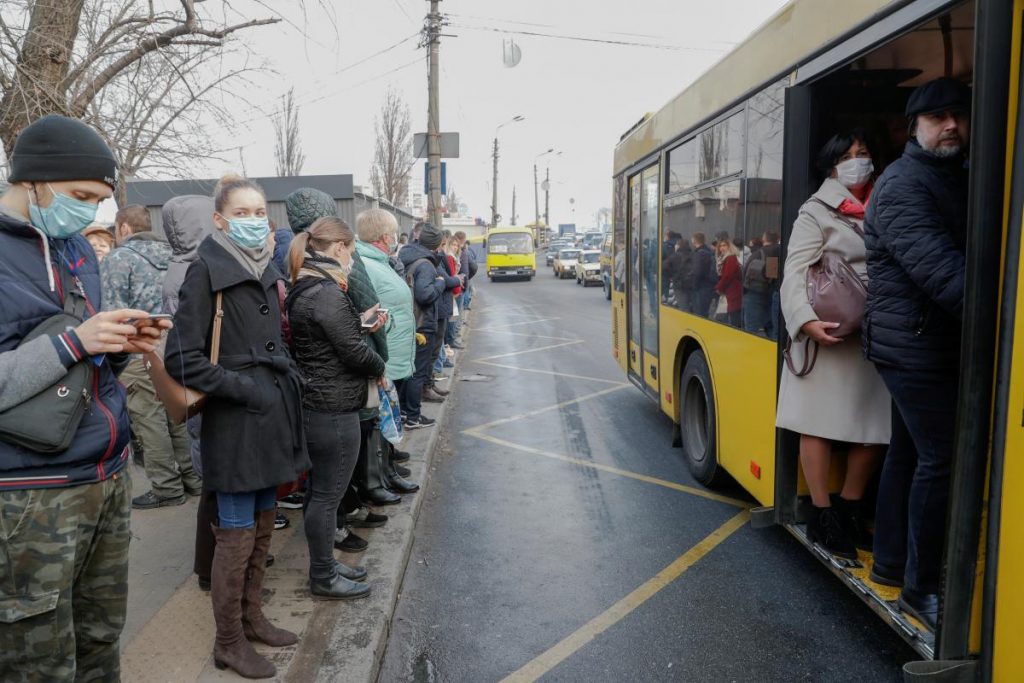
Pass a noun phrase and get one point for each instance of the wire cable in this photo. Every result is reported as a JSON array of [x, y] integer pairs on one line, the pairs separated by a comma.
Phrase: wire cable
[[585, 39]]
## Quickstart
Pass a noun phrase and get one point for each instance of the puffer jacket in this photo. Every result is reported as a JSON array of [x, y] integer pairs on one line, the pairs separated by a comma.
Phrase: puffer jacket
[[364, 296], [397, 298], [328, 345], [133, 274], [427, 283], [33, 272], [915, 234], [187, 221]]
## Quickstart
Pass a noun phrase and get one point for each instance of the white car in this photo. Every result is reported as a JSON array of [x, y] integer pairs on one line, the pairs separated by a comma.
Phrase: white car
[[588, 267], [565, 263]]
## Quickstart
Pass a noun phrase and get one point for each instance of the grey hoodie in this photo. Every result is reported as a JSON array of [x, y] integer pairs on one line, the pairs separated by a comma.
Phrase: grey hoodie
[[188, 220]]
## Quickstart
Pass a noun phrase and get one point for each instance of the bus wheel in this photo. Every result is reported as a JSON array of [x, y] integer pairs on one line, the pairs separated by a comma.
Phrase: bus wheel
[[697, 421]]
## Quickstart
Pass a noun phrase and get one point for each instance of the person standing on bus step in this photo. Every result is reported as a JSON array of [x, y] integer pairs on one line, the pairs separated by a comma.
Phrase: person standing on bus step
[[730, 281], [843, 398], [705, 276], [252, 428], [64, 516], [916, 238]]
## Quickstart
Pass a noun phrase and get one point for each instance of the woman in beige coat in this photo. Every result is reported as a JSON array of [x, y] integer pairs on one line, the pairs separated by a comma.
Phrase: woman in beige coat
[[843, 399]]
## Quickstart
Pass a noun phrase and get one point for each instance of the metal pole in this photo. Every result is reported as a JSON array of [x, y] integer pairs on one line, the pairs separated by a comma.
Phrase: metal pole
[[434, 117], [494, 186], [513, 205], [536, 201], [547, 197]]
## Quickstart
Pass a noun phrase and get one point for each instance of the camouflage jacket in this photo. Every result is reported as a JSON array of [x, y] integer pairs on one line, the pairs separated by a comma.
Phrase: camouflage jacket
[[133, 274]]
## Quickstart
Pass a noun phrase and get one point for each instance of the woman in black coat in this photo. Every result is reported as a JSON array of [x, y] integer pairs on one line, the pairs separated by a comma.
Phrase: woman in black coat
[[252, 435], [340, 370]]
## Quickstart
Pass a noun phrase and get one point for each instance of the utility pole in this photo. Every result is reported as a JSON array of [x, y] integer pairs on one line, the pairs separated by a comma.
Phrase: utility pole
[[513, 205], [536, 200], [547, 196], [494, 185], [433, 30]]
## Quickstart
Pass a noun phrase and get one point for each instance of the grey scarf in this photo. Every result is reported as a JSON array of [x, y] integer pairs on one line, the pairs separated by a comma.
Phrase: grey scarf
[[255, 261]]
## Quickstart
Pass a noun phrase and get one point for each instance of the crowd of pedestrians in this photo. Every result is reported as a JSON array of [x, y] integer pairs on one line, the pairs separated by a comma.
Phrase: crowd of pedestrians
[[311, 346]]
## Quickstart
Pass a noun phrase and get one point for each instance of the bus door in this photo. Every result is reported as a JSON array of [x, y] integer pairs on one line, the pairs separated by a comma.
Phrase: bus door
[[644, 254]]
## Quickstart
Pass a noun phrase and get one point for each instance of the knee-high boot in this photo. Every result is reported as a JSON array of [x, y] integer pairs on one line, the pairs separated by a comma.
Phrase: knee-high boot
[[394, 480], [376, 491], [255, 623], [227, 578]]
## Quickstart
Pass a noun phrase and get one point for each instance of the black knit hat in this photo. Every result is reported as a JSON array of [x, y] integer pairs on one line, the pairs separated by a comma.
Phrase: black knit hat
[[59, 148], [942, 94], [430, 237]]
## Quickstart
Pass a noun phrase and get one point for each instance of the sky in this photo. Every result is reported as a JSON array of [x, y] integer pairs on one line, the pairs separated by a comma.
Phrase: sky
[[576, 97]]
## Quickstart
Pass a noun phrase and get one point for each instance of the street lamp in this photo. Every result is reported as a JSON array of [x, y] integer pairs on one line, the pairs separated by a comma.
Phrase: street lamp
[[546, 185], [536, 200], [494, 187]]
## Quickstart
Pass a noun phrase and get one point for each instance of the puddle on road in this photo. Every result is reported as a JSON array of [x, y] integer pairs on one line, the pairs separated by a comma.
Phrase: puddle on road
[[423, 670], [476, 378]]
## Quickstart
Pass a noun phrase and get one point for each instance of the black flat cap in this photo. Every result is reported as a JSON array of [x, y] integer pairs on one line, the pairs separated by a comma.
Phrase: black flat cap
[[942, 94]]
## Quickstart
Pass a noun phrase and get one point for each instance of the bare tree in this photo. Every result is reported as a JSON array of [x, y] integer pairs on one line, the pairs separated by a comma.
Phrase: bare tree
[[451, 200], [392, 156], [128, 69], [287, 146]]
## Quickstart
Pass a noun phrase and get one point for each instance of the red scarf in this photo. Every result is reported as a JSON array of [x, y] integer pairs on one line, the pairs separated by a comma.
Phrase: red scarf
[[854, 208]]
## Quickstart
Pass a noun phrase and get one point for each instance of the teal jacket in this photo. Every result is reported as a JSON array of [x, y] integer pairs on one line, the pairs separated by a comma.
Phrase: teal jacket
[[395, 296]]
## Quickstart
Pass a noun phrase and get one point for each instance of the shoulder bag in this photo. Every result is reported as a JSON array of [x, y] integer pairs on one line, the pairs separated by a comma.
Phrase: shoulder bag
[[836, 293], [179, 401]]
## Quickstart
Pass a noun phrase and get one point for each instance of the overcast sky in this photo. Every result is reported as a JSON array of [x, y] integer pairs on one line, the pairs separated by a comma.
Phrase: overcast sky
[[577, 97]]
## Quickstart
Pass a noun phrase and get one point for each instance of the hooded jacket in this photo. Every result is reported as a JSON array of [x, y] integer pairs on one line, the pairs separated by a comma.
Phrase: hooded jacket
[[426, 281], [188, 220], [395, 296], [33, 272], [133, 274]]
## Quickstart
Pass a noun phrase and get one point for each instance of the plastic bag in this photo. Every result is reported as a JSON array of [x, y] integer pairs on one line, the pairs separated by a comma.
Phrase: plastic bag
[[390, 414]]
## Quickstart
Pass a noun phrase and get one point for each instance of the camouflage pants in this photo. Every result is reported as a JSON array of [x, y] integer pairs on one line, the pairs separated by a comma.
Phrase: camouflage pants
[[63, 581]]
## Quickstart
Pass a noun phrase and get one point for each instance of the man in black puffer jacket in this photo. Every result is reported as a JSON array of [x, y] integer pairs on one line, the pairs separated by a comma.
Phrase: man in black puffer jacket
[[916, 238]]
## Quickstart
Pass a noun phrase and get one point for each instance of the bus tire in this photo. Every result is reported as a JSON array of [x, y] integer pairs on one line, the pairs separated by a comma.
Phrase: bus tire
[[697, 421]]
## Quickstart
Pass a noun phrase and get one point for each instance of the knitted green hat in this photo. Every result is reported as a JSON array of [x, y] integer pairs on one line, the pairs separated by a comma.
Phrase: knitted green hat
[[306, 205]]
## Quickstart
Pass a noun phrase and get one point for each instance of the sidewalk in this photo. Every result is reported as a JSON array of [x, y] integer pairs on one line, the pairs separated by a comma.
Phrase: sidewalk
[[169, 633]]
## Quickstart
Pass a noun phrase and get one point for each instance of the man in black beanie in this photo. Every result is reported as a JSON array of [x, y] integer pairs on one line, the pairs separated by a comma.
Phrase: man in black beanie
[[61, 482]]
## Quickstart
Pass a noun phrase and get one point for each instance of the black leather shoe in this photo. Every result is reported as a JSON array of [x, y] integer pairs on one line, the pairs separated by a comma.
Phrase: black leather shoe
[[397, 483], [402, 471], [350, 573], [825, 528], [886, 577], [380, 496], [922, 606], [204, 584], [348, 542], [400, 456], [338, 587]]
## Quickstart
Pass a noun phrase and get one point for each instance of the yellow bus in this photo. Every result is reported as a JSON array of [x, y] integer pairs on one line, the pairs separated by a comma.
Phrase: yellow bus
[[734, 153], [511, 253]]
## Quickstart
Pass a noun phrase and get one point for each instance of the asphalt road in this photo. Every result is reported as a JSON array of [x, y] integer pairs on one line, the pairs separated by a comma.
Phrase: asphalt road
[[563, 539]]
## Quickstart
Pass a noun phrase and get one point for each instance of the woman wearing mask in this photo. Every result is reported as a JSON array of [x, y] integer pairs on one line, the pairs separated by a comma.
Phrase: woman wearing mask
[[339, 369], [730, 281], [252, 438], [843, 398]]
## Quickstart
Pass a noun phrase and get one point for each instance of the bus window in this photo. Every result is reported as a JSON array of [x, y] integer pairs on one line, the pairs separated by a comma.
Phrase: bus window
[[619, 236]]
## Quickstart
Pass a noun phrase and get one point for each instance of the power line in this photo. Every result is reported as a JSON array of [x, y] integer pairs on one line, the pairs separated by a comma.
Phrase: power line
[[585, 39]]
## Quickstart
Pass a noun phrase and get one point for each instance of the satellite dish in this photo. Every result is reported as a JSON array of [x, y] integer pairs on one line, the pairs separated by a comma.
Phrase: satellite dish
[[511, 54]]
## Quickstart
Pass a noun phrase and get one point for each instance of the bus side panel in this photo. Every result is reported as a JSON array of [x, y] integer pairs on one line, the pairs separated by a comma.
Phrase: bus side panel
[[743, 375]]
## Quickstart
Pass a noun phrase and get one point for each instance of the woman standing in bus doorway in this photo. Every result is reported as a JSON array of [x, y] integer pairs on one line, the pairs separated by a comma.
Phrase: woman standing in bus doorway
[[252, 437], [843, 398]]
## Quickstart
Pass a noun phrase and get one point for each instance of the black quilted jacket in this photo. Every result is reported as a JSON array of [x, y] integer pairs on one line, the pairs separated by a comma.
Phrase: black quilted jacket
[[915, 233], [329, 347]]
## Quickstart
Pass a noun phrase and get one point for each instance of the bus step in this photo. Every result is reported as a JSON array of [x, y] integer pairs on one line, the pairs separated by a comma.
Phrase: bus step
[[762, 517]]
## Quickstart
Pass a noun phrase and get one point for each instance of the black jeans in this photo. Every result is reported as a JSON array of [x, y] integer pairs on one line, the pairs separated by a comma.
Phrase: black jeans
[[333, 443], [410, 391], [910, 518]]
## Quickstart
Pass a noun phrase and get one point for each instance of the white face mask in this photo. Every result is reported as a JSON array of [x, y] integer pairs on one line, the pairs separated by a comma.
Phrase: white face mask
[[854, 173]]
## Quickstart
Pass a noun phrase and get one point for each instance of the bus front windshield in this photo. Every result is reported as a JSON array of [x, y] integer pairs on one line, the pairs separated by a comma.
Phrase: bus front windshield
[[510, 243]]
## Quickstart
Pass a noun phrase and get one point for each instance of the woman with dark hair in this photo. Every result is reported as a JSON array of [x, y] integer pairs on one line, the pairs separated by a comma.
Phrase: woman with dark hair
[[340, 370], [252, 438], [843, 399]]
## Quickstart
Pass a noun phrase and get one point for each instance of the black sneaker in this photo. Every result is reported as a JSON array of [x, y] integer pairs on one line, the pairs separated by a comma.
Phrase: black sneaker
[[281, 522], [825, 528], [346, 541], [421, 421], [149, 500], [365, 518], [400, 456], [293, 501]]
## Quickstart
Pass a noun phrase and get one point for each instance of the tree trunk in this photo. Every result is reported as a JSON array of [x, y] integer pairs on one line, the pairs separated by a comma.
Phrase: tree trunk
[[43, 65]]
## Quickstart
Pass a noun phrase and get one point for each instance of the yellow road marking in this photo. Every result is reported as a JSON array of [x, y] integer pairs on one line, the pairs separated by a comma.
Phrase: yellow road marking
[[602, 622], [693, 491], [539, 348], [552, 372], [539, 411]]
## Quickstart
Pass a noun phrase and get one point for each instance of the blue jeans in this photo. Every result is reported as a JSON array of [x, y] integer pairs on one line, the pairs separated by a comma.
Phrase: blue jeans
[[441, 357], [238, 510], [913, 495], [467, 297], [756, 311], [773, 320]]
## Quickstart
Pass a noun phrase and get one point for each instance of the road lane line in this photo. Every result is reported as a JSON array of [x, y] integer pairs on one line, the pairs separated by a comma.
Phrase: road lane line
[[547, 409], [518, 322], [539, 336], [539, 348], [561, 651], [552, 372], [692, 490]]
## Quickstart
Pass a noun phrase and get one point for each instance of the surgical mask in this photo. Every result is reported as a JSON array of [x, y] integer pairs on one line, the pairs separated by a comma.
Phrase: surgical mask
[[854, 173], [251, 233], [64, 217]]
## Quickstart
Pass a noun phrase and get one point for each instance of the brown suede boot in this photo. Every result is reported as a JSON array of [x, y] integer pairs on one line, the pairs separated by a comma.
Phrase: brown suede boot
[[227, 582], [256, 625]]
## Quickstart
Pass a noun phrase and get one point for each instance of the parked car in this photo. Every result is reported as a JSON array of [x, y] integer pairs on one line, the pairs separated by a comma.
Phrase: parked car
[[565, 263], [553, 250], [588, 267], [606, 266]]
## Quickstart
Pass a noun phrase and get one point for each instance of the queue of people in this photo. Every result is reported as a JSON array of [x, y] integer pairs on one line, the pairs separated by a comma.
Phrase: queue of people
[[308, 374]]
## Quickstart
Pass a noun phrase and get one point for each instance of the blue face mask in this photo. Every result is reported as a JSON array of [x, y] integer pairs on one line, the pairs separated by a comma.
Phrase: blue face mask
[[251, 233], [64, 217]]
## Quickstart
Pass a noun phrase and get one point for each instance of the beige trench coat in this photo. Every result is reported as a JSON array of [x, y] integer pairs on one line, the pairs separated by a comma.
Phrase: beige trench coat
[[843, 398]]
